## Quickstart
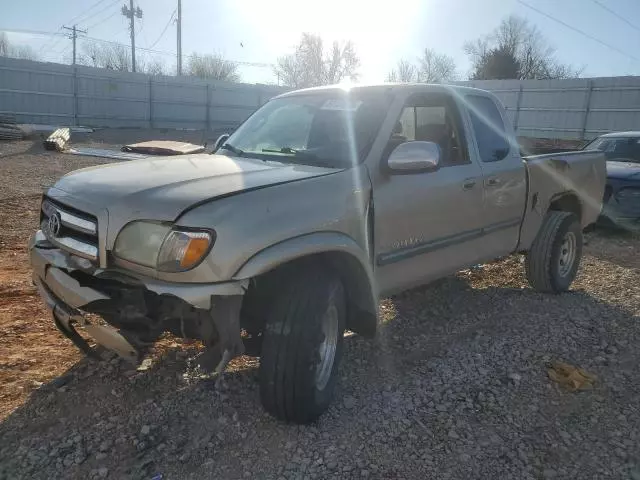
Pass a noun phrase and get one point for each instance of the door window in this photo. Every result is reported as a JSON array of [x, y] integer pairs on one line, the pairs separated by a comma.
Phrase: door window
[[433, 118], [488, 126]]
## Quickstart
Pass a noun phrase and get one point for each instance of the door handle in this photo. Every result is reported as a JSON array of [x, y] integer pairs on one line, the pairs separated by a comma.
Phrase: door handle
[[469, 183], [493, 182]]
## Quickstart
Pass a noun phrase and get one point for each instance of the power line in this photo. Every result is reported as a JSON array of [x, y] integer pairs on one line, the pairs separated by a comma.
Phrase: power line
[[100, 11], [104, 20], [84, 12], [164, 30], [578, 31], [100, 40], [617, 15]]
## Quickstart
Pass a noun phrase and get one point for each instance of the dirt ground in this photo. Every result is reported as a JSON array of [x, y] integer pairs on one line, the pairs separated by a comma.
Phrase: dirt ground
[[454, 387]]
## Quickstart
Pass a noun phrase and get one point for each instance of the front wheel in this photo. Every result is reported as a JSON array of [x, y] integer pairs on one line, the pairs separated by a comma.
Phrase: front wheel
[[552, 263], [302, 344]]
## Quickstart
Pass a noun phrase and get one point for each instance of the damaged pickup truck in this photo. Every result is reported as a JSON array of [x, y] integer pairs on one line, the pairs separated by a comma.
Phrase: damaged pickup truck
[[319, 204]]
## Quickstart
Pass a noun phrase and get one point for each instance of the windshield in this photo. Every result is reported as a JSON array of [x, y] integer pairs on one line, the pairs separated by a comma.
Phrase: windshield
[[625, 149], [332, 129]]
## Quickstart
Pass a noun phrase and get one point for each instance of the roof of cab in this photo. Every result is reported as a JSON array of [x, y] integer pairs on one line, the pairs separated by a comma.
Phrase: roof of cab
[[417, 87]]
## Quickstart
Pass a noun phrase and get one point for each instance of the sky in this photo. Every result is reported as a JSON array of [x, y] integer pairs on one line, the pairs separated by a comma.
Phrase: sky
[[260, 31]]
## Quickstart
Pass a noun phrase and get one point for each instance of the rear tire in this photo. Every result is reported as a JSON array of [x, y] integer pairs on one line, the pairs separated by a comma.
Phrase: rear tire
[[552, 263], [302, 344]]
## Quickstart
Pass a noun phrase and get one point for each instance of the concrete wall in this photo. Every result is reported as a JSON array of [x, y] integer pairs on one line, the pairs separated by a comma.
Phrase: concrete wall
[[57, 94]]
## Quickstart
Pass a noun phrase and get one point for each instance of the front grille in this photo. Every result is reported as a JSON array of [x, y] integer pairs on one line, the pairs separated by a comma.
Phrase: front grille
[[71, 229]]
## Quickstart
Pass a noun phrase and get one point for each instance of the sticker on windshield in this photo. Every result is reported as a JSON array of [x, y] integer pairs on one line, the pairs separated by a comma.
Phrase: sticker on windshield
[[342, 105]]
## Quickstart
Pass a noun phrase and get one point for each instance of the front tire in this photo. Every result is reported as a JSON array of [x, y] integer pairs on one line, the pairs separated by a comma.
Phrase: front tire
[[302, 344], [552, 263]]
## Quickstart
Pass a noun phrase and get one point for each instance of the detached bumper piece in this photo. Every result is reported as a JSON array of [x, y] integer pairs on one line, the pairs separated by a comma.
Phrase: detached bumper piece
[[60, 286]]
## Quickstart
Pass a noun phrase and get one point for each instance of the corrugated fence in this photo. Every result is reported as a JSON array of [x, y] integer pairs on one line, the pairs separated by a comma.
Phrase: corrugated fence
[[57, 94], [568, 109], [64, 95]]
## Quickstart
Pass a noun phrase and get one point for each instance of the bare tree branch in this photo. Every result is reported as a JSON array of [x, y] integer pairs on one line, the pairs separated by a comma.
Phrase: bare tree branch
[[310, 65], [213, 66], [434, 68], [7, 49], [516, 42]]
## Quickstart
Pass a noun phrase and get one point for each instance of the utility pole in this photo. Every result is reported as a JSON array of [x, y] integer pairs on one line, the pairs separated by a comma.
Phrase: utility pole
[[73, 36], [131, 13], [179, 48]]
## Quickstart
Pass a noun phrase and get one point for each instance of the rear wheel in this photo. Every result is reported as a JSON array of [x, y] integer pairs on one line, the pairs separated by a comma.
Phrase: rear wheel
[[302, 344], [552, 263]]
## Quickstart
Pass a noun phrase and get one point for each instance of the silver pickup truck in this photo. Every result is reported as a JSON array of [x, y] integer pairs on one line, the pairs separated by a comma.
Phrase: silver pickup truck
[[319, 204]]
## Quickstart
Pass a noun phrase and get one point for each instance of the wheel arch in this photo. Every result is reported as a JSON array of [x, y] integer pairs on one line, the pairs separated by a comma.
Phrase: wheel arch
[[335, 250], [568, 201]]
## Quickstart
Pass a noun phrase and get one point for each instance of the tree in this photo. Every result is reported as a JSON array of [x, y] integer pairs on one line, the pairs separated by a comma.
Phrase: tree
[[213, 66], [405, 72], [433, 68], [311, 66], [117, 57], [436, 67], [7, 49], [515, 42], [110, 56], [497, 64]]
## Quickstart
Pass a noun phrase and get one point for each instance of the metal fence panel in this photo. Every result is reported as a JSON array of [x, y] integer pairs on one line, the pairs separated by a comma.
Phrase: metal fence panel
[[65, 95]]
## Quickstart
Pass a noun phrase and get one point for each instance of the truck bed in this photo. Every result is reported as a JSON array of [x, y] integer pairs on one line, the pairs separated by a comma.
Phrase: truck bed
[[581, 173]]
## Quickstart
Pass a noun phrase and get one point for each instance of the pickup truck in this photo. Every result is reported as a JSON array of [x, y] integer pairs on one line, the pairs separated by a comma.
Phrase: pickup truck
[[320, 203]]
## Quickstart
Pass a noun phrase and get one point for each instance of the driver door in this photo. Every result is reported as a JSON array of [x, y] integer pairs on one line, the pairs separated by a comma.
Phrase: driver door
[[428, 224]]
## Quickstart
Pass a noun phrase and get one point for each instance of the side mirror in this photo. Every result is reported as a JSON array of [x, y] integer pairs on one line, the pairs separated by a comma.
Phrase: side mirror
[[220, 141], [413, 157]]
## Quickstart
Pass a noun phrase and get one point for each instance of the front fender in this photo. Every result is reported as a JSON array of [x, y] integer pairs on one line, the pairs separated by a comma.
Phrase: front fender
[[302, 246], [343, 254]]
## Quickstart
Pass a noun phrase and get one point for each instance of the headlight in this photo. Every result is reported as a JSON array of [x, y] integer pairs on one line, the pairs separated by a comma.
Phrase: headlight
[[157, 246], [183, 250], [140, 242]]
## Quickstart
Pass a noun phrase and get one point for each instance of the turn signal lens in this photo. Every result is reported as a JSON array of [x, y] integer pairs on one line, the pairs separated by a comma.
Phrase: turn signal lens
[[183, 250]]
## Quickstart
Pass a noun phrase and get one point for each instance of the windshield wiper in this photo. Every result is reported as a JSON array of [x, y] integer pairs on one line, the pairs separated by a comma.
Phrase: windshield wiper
[[287, 150], [231, 148]]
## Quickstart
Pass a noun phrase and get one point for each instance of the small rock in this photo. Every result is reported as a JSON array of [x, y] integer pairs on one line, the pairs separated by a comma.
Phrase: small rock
[[453, 434], [145, 430], [364, 473], [515, 378], [60, 381], [103, 472], [349, 402], [101, 456], [465, 457], [184, 457]]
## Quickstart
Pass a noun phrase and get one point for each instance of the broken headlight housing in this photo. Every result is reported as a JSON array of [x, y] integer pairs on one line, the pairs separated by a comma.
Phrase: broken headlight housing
[[162, 247]]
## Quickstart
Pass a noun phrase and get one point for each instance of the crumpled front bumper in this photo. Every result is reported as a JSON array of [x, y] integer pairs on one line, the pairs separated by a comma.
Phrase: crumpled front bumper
[[66, 297]]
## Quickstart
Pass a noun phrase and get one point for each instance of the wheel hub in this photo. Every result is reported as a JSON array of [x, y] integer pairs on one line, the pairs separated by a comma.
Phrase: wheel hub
[[567, 255], [327, 351]]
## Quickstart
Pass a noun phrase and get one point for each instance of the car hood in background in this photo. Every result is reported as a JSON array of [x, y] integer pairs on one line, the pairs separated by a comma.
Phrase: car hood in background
[[163, 187], [623, 170]]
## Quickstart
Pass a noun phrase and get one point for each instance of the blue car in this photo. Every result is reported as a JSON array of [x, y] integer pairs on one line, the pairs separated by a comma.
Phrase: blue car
[[621, 203]]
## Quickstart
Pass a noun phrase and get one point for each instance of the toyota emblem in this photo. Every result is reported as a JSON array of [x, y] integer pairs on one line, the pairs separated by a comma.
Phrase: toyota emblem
[[55, 224]]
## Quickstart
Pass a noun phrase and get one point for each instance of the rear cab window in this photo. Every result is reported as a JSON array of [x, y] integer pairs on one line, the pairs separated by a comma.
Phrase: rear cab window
[[488, 127]]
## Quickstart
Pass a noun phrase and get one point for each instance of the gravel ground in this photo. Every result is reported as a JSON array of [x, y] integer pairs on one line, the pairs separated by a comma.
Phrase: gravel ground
[[454, 386]]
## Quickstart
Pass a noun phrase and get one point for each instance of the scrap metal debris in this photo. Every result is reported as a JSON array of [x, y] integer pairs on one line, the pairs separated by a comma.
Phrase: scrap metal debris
[[163, 147], [105, 153], [8, 128], [58, 140], [571, 377]]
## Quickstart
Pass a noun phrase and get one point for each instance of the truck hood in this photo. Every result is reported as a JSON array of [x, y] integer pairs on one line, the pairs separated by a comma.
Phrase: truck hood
[[161, 188], [623, 170]]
